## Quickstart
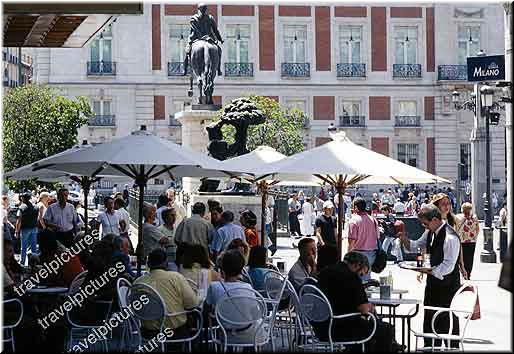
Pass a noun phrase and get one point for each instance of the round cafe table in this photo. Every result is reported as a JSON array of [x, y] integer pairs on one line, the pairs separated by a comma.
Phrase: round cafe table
[[41, 289]]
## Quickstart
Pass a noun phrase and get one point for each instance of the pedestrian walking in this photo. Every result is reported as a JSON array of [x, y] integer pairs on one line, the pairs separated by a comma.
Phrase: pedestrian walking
[[326, 225], [26, 226], [467, 227], [293, 209], [308, 217]]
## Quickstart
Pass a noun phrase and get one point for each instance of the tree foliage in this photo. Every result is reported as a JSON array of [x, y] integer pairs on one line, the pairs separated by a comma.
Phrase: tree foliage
[[282, 129], [37, 123]]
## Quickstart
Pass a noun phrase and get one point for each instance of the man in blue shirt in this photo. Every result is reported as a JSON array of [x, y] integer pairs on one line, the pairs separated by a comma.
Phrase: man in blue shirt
[[226, 233]]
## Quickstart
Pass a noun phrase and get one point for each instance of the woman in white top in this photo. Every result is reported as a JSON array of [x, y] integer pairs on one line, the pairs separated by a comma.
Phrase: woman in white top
[[308, 217], [42, 206]]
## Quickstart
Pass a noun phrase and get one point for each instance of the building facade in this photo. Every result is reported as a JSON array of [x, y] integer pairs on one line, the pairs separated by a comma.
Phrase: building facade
[[17, 68], [383, 73]]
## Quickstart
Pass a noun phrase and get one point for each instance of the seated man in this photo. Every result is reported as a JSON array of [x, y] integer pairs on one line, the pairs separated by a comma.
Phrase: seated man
[[342, 285], [153, 238], [121, 253], [306, 265], [232, 265], [226, 233], [174, 289]]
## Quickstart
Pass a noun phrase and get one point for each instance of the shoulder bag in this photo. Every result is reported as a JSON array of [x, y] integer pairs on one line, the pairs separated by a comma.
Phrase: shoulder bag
[[380, 257]]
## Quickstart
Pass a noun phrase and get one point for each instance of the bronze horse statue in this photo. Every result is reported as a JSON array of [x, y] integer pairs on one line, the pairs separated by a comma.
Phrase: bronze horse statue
[[204, 65]]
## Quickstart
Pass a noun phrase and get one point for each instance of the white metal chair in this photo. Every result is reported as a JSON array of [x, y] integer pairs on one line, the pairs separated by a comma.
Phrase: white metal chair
[[8, 329], [316, 308], [81, 331], [275, 285], [462, 306], [130, 338], [242, 320], [155, 309]]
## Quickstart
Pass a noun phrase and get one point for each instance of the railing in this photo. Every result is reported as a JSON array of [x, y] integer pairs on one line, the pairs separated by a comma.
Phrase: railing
[[407, 121], [352, 121], [407, 70], [452, 72], [296, 69], [176, 68], [351, 70], [102, 121], [239, 69], [107, 68], [174, 122]]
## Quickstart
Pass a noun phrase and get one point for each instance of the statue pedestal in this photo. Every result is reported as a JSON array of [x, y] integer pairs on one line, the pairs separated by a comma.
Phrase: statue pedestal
[[195, 137]]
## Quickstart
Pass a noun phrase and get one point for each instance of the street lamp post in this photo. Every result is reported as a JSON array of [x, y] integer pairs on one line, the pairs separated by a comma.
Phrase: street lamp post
[[482, 106]]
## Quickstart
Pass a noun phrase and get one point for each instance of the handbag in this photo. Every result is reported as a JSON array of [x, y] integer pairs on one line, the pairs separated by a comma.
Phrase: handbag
[[380, 258], [476, 310]]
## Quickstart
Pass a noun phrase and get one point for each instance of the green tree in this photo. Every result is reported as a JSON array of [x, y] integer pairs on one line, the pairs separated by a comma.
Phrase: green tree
[[38, 122], [282, 129]]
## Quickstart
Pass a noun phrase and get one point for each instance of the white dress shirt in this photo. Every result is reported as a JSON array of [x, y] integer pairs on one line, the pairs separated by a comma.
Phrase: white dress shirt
[[451, 249], [110, 223]]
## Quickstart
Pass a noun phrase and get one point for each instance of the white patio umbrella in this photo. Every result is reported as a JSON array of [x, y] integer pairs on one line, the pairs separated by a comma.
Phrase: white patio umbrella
[[141, 156], [253, 164], [341, 163]]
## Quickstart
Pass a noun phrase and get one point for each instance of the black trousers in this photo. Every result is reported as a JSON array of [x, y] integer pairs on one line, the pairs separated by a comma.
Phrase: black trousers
[[294, 223], [438, 293], [66, 238], [468, 253]]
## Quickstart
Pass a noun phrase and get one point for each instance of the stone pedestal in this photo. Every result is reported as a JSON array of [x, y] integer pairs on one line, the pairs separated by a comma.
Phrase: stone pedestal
[[195, 137]]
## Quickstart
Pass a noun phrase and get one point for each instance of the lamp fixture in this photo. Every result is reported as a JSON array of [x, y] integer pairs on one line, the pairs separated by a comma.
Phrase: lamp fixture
[[101, 35], [239, 36], [351, 35], [406, 38], [181, 36], [295, 37]]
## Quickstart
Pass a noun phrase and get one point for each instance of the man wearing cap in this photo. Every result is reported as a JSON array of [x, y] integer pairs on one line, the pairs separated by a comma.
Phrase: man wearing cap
[[326, 225]]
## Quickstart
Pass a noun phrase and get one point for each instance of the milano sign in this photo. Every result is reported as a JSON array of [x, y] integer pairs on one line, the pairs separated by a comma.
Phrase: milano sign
[[489, 68]]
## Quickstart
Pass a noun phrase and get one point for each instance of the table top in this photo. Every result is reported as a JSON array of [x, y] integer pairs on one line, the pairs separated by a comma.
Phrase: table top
[[47, 290], [376, 290], [394, 301]]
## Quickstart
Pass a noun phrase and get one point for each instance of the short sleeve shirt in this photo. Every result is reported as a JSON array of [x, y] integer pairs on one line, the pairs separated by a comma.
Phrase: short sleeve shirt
[[110, 223], [327, 224]]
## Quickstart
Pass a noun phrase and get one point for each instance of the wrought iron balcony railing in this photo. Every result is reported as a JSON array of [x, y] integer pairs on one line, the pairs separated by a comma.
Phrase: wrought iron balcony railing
[[239, 69], [352, 121], [107, 68], [296, 69], [106, 120], [452, 72], [176, 68], [407, 121], [174, 121], [351, 70], [407, 70]]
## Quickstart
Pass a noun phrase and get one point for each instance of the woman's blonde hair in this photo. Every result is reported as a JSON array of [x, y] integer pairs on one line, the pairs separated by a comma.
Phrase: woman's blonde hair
[[43, 195], [466, 207]]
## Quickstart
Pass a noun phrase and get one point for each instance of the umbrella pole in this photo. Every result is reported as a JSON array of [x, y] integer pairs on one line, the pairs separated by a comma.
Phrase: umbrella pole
[[264, 197], [139, 249], [340, 215]]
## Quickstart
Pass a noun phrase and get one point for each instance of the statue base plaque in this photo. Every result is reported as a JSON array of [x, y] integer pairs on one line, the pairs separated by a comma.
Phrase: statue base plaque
[[205, 107]]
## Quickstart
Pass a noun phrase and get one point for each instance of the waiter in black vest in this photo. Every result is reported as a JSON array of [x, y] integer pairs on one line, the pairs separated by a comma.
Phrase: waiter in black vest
[[443, 279]]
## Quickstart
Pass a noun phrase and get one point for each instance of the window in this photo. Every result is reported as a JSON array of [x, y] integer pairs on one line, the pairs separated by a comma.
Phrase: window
[[469, 42], [465, 162], [351, 108], [350, 38], [238, 39], [407, 108], [101, 47], [295, 43], [408, 154], [102, 107], [406, 42], [178, 41], [158, 181], [297, 103]]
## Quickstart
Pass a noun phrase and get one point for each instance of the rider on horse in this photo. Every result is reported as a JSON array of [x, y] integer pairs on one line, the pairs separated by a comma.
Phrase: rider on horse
[[203, 26]]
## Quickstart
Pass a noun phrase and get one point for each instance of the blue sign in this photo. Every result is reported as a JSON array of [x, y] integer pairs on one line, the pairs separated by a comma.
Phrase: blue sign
[[489, 68]]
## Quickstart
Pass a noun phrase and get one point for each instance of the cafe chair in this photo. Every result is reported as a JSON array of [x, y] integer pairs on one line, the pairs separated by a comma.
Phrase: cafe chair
[[462, 306], [242, 321], [316, 308], [155, 309], [277, 298], [246, 277], [8, 328], [129, 333], [78, 330]]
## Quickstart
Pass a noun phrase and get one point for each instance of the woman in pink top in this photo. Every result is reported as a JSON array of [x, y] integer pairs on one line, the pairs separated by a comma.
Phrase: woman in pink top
[[363, 233]]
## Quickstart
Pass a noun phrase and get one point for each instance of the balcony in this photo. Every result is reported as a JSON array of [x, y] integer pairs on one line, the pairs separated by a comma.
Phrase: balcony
[[407, 71], [102, 121], [296, 69], [351, 70], [176, 68], [452, 72], [239, 69], [407, 121], [101, 68], [352, 121], [173, 122]]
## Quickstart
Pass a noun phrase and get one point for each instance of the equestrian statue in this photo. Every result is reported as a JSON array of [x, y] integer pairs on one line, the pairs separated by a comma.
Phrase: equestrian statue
[[203, 53]]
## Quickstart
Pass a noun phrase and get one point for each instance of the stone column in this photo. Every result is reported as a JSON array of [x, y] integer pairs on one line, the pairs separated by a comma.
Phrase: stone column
[[195, 137], [508, 115]]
